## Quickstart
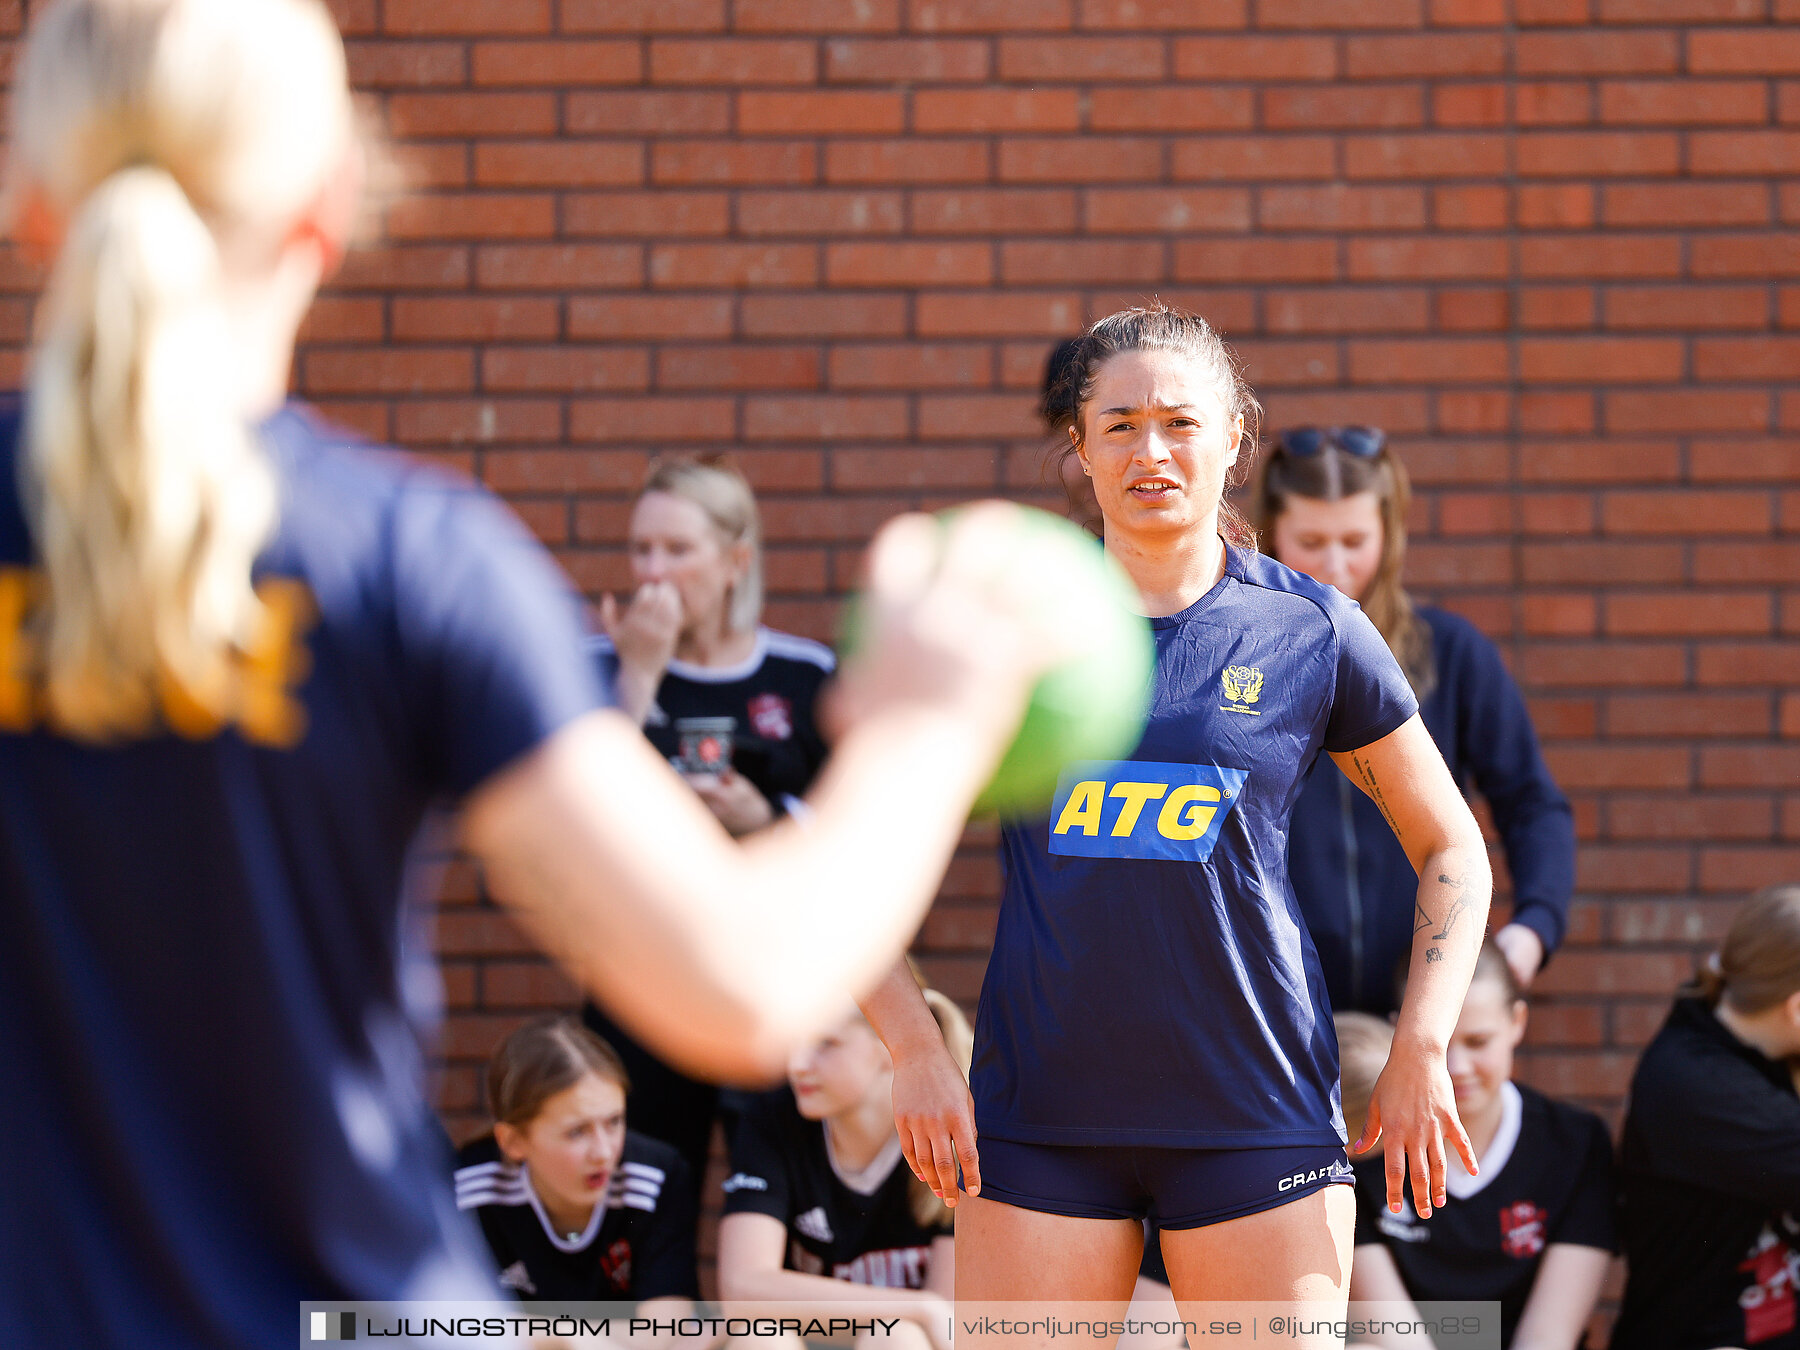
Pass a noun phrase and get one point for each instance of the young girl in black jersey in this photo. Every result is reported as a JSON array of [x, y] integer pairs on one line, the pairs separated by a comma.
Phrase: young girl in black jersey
[[820, 1206], [1710, 1158], [572, 1203], [1534, 1229]]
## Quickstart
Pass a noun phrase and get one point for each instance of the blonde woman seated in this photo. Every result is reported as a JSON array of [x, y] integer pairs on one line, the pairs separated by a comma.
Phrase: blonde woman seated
[[822, 1214]]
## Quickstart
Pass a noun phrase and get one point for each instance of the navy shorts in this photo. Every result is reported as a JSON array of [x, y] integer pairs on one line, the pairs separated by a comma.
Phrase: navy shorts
[[1172, 1187]]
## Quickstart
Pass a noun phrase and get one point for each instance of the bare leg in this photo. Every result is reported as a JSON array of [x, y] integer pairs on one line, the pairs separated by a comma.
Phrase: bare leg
[[1153, 1303], [1297, 1256], [1006, 1254]]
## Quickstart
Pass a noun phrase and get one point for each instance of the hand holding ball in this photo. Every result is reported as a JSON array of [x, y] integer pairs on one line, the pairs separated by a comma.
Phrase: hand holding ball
[[1025, 588]]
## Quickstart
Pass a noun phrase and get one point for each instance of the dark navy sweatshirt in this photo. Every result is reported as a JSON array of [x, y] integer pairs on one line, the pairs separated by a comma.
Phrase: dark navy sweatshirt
[[1354, 883]]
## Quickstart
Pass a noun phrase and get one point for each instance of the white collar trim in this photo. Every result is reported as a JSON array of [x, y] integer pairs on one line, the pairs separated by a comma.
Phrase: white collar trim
[[1499, 1152], [743, 670], [576, 1243], [866, 1180]]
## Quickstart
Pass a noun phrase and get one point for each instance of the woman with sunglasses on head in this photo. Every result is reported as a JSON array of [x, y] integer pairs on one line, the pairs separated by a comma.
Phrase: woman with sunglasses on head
[[1332, 503], [1154, 1038]]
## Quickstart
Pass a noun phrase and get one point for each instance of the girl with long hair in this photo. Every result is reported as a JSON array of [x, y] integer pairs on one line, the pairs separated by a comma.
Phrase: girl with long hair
[[1332, 503], [1709, 1161], [820, 1208], [243, 657]]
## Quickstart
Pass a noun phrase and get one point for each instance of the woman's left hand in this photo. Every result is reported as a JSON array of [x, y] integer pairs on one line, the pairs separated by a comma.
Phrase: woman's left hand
[[1523, 950], [734, 799], [1413, 1108]]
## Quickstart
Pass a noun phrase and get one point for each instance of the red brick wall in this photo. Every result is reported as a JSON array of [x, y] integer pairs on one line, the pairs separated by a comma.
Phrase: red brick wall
[[1547, 243]]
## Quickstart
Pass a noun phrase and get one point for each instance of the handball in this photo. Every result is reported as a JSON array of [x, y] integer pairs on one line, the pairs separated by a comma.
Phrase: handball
[[1092, 705]]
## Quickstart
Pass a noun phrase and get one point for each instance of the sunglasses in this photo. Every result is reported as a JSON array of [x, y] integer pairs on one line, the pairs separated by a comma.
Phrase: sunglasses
[[1305, 442]]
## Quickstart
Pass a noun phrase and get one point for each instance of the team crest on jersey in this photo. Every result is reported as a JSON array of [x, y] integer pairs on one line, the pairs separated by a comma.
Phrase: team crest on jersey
[[772, 716], [615, 1262], [1522, 1229], [1138, 809], [1242, 686]]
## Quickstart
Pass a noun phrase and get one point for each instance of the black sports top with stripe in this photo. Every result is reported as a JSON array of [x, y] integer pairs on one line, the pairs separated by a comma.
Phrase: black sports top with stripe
[[639, 1244]]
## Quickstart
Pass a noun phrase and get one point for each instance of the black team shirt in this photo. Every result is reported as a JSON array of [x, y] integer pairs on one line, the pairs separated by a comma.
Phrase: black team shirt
[[1547, 1177], [767, 702], [858, 1228], [1710, 1166], [639, 1244]]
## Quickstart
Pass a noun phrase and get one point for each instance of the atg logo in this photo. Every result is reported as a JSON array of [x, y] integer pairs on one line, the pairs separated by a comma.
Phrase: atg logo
[[1138, 809]]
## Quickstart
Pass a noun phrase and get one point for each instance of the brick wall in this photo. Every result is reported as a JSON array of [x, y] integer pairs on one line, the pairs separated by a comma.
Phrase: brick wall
[[1547, 243]]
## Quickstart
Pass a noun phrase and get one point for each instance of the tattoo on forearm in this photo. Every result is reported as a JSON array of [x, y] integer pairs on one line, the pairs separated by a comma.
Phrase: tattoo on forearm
[[1374, 790], [1420, 918], [1457, 906], [1433, 954]]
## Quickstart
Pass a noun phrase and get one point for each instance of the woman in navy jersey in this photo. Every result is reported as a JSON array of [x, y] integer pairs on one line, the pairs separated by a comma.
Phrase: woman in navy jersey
[[242, 658], [1535, 1229], [731, 703], [1332, 503], [821, 1212], [1709, 1161], [1154, 1038]]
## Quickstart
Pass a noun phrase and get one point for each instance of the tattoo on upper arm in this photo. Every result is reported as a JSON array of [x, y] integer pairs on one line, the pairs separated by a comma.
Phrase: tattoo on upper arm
[[1373, 788]]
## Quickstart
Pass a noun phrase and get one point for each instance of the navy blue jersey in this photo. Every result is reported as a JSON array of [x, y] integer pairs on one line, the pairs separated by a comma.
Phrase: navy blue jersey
[[1152, 981], [207, 1042]]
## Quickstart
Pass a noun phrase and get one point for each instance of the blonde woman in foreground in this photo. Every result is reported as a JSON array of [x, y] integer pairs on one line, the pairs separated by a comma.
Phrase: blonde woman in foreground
[[243, 656]]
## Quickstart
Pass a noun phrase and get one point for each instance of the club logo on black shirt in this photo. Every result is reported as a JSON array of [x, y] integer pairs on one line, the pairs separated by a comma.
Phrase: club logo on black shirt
[[772, 716], [1768, 1304], [1522, 1227]]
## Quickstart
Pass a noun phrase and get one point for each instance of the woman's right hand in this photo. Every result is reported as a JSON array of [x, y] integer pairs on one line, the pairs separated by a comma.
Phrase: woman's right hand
[[645, 631], [934, 1115], [955, 618], [644, 634]]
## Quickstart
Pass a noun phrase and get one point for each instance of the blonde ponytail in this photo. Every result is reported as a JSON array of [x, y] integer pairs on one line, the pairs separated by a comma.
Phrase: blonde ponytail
[[160, 130], [149, 497]]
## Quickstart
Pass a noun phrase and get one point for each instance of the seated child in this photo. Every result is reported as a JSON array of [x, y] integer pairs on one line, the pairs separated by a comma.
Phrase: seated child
[[573, 1205], [821, 1208], [1535, 1228]]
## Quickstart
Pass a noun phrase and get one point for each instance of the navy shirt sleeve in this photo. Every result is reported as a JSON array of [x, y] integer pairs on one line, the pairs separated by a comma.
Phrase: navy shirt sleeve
[[1372, 697], [1590, 1219], [492, 633], [1533, 817], [758, 1183]]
